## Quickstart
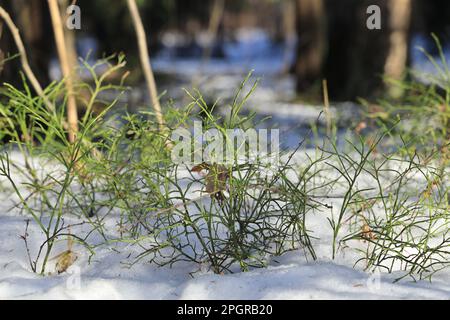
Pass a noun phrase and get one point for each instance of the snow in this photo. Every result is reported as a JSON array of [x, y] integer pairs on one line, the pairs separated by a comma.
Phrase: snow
[[249, 49], [107, 278], [109, 275]]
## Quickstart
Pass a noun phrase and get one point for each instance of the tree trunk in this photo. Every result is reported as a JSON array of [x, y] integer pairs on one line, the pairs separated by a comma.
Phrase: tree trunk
[[31, 18], [145, 62], [66, 68], [288, 33], [342, 50], [399, 23], [34, 24], [432, 17], [8, 68], [311, 32], [356, 56]]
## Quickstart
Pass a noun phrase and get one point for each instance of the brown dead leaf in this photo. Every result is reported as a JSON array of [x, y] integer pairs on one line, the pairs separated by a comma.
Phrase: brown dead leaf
[[65, 260], [216, 179], [200, 167], [367, 233]]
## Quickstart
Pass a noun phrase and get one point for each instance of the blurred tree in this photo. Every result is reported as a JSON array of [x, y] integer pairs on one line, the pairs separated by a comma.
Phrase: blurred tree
[[432, 17], [351, 57], [110, 23], [32, 19], [400, 12], [288, 32], [312, 37], [356, 56]]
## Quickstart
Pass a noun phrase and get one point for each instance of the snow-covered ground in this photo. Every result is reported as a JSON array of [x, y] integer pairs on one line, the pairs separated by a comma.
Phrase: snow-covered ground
[[106, 277], [108, 274]]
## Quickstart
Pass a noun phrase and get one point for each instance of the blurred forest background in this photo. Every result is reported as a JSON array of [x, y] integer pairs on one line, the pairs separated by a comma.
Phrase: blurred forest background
[[304, 41]]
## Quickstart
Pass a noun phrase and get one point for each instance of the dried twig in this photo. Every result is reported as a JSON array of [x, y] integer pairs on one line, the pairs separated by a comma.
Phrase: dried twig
[[24, 59], [25, 239], [214, 23], [326, 104], [145, 61], [72, 115]]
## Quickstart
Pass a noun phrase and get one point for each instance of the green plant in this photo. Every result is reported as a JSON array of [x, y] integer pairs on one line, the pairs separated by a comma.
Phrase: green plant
[[36, 135], [118, 183], [238, 214]]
